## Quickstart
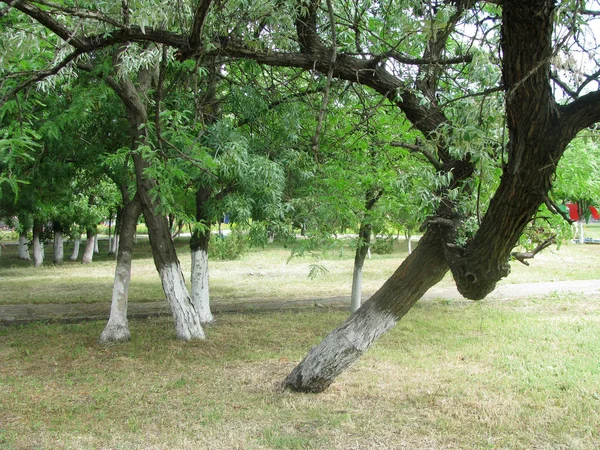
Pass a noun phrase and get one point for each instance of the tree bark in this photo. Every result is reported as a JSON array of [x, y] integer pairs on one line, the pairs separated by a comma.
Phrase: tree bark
[[345, 345], [88, 253], [76, 244], [200, 290], [199, 250], [23, 247], [58, 255], [362, 249], [96, 248], [187, 322], [117, 328], [38, 244]]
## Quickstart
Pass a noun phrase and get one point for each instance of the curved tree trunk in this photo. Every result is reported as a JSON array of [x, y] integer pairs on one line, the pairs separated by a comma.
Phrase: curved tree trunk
[[76, 245], [117, 328], [88, 253], [38, 244], [23, 247], [381, 312]]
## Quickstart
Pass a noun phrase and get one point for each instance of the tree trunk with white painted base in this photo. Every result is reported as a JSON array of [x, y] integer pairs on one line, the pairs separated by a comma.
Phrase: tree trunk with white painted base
[[345, 345], [88, 253], [38, 244], [59, 241], [96, 248], [117, 328], [76, 245], [23, 247], [581, 231], [200, 291]]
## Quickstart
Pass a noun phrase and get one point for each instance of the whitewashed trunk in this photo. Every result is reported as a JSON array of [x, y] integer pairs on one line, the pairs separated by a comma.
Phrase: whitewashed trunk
[[357, 279], [38, 247], [187, 322], [581, 232], [58, 256], [114, 249], [88, 253], [23, 247], [96, 249], [409, 242], [340, 349], [117, 328], [75, 253], [343, 346], [200, 291]]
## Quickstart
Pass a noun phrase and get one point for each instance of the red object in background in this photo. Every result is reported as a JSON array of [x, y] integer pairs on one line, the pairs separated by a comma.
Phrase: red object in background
[[594, 212], [573, 211]]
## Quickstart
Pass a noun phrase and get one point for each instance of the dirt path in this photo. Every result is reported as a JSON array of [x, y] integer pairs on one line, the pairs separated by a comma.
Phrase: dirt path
[[77, 312]]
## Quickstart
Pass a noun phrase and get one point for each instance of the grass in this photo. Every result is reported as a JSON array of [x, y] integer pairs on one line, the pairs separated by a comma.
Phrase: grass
[[505, 374], [263, 275]]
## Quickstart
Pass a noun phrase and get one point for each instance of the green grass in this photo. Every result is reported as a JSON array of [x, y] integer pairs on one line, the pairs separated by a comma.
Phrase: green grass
[[260, 275], [505, 374]]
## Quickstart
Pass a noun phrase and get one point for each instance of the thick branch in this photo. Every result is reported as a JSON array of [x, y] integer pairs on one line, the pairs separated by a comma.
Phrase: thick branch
[[581, 113], [195, 39]]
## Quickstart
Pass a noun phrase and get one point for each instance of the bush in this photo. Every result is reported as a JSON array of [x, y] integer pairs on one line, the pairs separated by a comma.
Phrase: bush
[[230, 247], [383, 246]]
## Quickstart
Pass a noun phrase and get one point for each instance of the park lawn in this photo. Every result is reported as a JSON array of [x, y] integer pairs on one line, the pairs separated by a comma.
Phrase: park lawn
[[452, 374], [260, 275]]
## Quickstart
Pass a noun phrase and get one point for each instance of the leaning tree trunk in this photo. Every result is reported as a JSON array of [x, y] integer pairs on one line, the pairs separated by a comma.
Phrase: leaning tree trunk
[[38, 244], [381, 312], [76, 245], [88, 253], [117, 328], [23, 247]]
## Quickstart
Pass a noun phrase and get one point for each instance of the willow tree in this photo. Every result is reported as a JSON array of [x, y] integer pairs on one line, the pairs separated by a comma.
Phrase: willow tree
[[424, 58]]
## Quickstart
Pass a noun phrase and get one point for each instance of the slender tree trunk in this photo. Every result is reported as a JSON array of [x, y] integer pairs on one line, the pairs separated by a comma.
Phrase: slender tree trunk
[[580, 225], [117, 328], [76, 244], [200, 291], [59, 242], [407, 236], [23, 247], [96, 248], [362, 249], [88, 253], [38, 244], [394, 299]]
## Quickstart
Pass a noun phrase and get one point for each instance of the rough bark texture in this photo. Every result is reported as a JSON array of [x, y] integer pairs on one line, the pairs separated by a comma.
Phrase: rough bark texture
[[76, 245], [38, 245], [346, 344], [23, 247], [117, 328]]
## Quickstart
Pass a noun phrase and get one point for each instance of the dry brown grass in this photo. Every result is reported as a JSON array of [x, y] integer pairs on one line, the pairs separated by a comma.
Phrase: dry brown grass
[[503, 374]]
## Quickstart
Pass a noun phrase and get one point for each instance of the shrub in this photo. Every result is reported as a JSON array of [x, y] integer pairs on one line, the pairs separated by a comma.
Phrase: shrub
[[383, 246], [230, 247]]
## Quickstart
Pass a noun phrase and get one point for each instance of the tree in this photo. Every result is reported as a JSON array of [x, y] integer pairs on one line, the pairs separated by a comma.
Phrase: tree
[[424, 59]]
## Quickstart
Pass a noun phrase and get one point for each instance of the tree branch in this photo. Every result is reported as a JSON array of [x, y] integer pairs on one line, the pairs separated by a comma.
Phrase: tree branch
[[581, 113], [195, 39], [41, 75], [420, 149], [522, 256]]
